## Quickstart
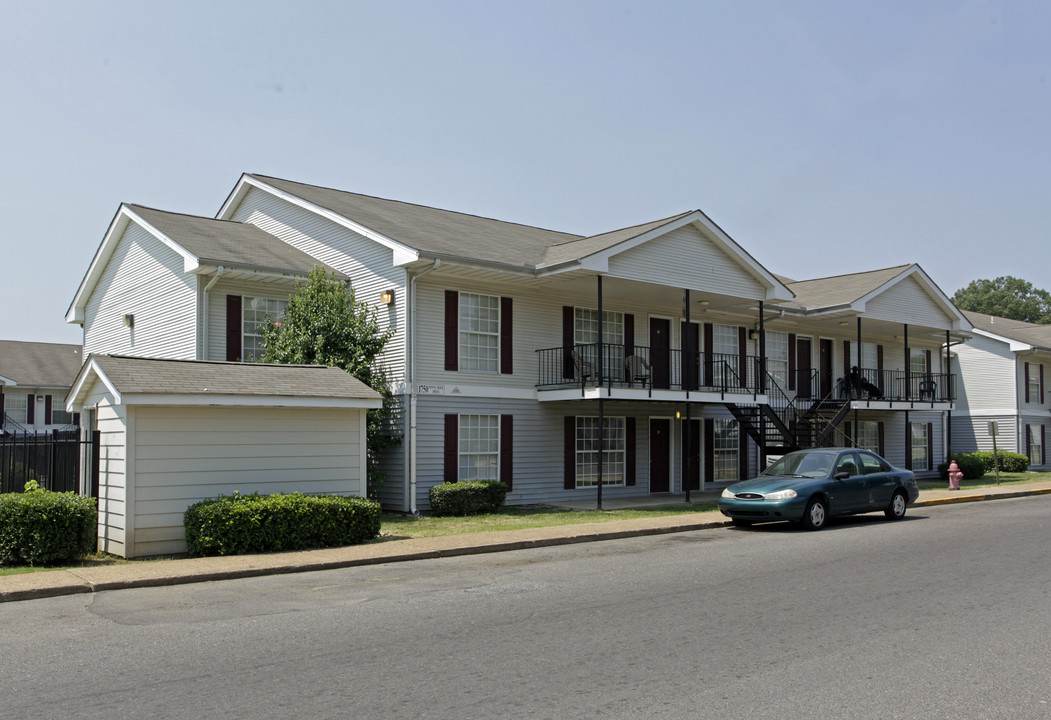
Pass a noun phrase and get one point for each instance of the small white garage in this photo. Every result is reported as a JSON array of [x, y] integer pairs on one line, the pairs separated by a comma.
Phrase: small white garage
[[173, 432]]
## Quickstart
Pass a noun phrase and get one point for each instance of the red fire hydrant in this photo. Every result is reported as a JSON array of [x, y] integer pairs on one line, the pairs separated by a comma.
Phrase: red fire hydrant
[[955, 476]]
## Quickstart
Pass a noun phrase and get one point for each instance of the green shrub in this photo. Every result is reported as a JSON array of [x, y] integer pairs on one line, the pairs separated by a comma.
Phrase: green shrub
[[39, 527], [240, 524], [970, 465], [467, 498], [1008, 461]]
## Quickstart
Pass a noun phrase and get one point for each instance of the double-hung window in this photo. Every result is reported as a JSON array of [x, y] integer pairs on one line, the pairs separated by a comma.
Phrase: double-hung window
[[255, 312], [1036, 444], [479, 332], [1034, 373], [918, 446], [479, 451], [15, 406], [613, 451], [585, 333], [725, 450], [868, 436], [726, 344], [777, 357]]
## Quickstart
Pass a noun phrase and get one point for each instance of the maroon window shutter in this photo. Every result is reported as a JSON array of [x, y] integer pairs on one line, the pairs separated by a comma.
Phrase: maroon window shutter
[[847, 427], [629, 451], [1043, 445], [507, 450], [570, 453], [880, 439], [930, 367], [1028, 443], [452, 330], [791, 361], [930, 446], [908, 446], [1, 407], [879, 360], [568, 370], [709, 357], [709, 450], [506, 344], [452, 448], [1026, 381], [846, 357], [30, 409], [47, 409], [1040, 399], [233, 328], [629, 339], [742, 350]]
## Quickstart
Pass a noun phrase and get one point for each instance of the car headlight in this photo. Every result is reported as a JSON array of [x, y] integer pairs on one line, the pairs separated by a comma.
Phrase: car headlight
[[727, 494], [780, 495]]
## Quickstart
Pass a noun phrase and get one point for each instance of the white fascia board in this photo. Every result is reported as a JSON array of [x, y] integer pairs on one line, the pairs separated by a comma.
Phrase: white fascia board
[[403, 254], [201, 399], [7, 381], [190, 261], [1013, 345], [81, 385]]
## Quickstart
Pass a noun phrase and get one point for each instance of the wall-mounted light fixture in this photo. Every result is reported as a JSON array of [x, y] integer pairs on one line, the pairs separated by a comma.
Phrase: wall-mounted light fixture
[[754, 335], [387, 297], [129, 321], [704, 302], [843, 323], [678, 415]]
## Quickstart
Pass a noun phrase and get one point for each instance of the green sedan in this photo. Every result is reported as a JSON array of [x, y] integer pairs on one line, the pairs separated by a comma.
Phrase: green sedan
[[810, 486]]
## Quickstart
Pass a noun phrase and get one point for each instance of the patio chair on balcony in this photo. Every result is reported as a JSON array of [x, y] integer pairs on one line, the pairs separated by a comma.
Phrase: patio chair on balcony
[[927, 388], [638, 370], [585, 368]]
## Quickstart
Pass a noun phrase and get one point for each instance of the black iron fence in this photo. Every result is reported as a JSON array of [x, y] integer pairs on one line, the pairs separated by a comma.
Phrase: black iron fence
[[896, 385], [52, 459], [644, 367]]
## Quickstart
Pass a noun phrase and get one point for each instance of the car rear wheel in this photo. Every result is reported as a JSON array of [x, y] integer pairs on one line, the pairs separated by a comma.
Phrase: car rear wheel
[[815, 515], [896, 509]]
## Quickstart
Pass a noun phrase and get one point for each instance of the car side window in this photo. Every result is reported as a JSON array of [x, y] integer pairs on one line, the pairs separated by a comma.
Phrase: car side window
[[873, 464], [848, 463]]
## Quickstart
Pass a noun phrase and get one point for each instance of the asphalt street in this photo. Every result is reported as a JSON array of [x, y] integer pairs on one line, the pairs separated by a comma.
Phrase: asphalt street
[[944, 615]]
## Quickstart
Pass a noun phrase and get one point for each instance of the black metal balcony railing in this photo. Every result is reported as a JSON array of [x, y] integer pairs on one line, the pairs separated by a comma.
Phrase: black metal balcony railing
[[635, 366], [896, 386]]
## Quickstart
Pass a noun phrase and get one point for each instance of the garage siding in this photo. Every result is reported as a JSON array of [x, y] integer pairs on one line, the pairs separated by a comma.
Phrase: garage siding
[[186, 454]]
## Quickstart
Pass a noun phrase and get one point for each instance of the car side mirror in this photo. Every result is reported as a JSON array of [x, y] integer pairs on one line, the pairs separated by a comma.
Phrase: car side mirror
[[842, 475]]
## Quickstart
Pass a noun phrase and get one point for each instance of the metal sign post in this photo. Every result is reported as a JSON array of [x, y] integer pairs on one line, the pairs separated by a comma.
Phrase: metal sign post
[[996, 460]]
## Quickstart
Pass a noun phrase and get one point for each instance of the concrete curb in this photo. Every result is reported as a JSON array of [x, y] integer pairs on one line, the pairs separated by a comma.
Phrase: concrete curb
[[29, 586]]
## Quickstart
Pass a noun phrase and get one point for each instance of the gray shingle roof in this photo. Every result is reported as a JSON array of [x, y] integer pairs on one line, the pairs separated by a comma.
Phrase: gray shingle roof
[[582, 247], [430, 230], [1030, 333], [840, 289], [232, 244], [36, 364], [153, 376]]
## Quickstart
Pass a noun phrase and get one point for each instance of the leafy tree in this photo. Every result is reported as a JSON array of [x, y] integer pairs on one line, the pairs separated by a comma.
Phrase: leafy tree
[[325, 324], [1008, 297]]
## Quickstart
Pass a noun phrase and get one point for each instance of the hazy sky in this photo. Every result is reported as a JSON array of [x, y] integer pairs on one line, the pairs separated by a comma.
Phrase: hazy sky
[[824, 137]]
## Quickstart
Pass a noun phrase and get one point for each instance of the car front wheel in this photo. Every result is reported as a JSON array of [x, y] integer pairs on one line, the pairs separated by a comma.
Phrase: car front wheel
[[815, 515], [896, 509]]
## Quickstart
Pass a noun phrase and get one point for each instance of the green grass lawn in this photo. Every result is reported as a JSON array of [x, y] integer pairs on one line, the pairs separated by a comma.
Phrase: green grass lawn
[[989, 480]]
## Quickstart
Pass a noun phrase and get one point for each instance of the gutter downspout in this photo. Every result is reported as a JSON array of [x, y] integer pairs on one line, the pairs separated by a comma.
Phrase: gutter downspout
[[220, 271], [411, 339]]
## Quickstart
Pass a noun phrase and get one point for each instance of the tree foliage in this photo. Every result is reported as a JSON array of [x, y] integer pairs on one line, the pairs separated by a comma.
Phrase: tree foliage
[[325, 324], [1007, 297]]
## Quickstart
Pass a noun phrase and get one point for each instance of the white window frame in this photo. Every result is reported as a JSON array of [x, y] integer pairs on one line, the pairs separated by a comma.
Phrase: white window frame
[[868, 435], [585, 332], [918, 451], [1036, 450], [254, 312], [614, 456], [726, 450], [1036, 393], [777, 357], [478, 438], [479, 332], [15, 405]]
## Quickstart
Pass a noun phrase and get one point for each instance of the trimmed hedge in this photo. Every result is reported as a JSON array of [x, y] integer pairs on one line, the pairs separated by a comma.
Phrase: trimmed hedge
[[467, 498], [1008, 461], [972, 466], [241, 524], [39, 527]]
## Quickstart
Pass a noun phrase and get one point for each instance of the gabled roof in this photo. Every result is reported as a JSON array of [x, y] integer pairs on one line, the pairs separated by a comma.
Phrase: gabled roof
[[135, 380], [203, 243], [851, 292], [1027, 335], [37, 364], [415, 231]]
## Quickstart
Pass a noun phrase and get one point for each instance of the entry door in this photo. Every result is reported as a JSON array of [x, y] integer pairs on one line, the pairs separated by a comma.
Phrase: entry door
[[825, 366], [692, 463], [660, 447], [691, 355], [660, 349], [803, 368]]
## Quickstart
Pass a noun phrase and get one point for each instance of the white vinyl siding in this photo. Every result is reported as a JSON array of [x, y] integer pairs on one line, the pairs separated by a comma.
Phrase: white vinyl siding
[[368, 264], [908, 302], [144, 278], [186, 454], [662, 262]]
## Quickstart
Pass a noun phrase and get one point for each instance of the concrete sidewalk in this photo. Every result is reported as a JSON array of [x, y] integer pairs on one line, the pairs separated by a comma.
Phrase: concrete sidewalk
[[173, 572]]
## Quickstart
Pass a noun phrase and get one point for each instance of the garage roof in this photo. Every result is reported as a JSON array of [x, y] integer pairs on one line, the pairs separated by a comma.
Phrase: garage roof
[[152, 381]]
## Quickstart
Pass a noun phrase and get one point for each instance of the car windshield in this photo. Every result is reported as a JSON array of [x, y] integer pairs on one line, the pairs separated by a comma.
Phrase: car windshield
[[803, 464]]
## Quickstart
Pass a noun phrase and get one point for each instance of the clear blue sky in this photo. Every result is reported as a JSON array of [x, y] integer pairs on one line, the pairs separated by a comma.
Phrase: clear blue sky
[[825, 137]]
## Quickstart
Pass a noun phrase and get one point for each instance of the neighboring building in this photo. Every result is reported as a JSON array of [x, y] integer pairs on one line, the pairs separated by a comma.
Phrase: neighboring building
[[1000, 376], [34, 380], [511, 342]]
